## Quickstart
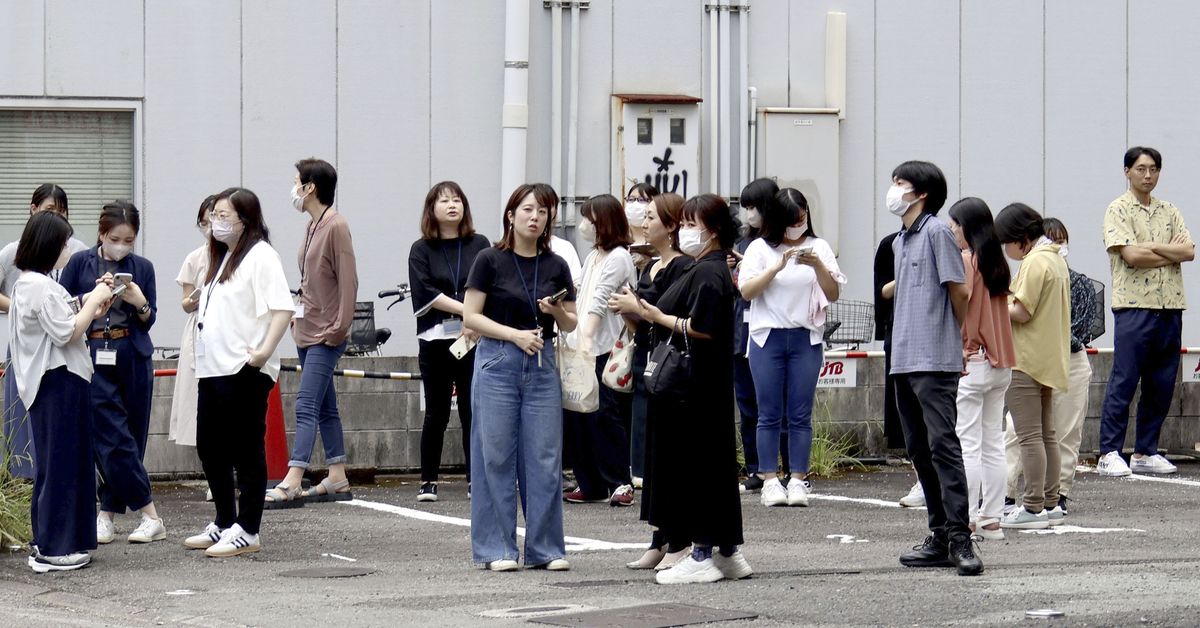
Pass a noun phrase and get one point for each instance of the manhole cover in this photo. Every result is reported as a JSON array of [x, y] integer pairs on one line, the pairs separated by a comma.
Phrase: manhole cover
[[527, 612], [648, 616], [327, 572]]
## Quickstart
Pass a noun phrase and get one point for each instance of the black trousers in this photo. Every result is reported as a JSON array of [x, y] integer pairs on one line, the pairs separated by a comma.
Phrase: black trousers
[[602, 440], [441, 375], [928, 412], [231, 422]]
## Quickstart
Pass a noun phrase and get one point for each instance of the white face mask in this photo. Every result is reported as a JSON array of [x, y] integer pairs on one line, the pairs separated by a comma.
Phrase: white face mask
[[895, 200], [690, 242], [115, 252], [795, 233], [204, 230], [1062, 249], [297, 200], [223, 232], [586, 230], [751, 217], [63, 258], [635, 212]]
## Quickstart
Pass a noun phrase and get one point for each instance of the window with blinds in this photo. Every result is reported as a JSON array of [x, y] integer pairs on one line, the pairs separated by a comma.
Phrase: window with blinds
[[88, 153]]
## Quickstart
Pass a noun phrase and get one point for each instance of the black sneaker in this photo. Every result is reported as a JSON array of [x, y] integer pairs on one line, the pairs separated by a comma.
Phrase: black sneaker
[[1062, 503], [933, 552], [962, 554], [753, 484], [428, 492]]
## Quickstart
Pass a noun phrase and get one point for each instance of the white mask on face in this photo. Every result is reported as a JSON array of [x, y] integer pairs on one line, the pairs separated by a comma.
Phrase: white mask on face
[[204, 230], [795, 233], [586, 230], [751, 217], [297, 200], [1062, 250], [895, 200], [115, 252], [635, 212], [690, 242], [223, 232], [63, 258]]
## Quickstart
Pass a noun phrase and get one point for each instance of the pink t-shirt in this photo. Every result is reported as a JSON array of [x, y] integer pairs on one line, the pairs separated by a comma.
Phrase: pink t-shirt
[[986, 324]]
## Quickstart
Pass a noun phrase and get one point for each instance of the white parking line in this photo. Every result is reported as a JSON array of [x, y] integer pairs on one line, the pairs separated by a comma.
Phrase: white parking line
[[861, 500], [1148, 478], [574, 543], [1065, 529]]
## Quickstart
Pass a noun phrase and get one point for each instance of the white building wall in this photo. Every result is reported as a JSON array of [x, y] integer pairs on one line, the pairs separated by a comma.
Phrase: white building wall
[[1027, 100]]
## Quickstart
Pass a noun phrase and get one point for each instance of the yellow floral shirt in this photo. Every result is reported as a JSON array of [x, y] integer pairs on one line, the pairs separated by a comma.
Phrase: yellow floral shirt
[[1129, 222]]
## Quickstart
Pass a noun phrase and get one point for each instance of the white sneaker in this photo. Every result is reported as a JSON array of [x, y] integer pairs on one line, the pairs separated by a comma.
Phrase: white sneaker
[[915, 497], [1112, 465], [234, 541], [558, 564], [1055, 516], [733, 567], [106, 530], [797, 492], [1022, 519], [773, 493], [503, 565], [43, 564], [205, 539], [637, 482], [1156, 464], [992, 534], [690, 571], [149, 530]]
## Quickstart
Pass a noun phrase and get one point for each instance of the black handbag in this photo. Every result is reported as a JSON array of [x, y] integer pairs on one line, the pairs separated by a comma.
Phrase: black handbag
[[669, 368]]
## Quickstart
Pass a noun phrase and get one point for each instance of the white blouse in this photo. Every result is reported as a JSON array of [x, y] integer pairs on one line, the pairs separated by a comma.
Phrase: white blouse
[[40, 325], [794, 297], [234, 317]]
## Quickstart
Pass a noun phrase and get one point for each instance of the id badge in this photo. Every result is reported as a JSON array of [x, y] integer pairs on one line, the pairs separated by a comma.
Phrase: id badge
[[452, 325], [106, 357], [299, 311], [199, 347], [746, 316]]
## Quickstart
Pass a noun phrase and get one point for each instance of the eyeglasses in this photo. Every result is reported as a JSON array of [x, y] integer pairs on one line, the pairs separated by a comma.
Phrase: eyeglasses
[[637, 199], [1142, 171]]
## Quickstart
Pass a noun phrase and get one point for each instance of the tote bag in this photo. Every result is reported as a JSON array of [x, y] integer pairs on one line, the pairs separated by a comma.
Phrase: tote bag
[[670, 368], [618, 371]]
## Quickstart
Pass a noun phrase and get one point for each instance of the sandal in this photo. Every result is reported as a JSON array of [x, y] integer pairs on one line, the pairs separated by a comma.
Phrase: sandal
[[283, 496], [327, 491]]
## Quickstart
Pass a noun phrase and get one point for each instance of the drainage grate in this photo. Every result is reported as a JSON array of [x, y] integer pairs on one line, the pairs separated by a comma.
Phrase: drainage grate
[[327, 572], [648, 616], [528, 612]]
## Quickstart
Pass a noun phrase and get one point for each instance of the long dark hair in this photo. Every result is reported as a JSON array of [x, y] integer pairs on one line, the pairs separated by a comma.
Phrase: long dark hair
[[254, 230], [975, 218], [612, 228], [782, 211], [712, 212]]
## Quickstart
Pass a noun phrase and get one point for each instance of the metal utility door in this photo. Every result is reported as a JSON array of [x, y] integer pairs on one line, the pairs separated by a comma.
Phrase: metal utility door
[[657, 143], [799, 148]]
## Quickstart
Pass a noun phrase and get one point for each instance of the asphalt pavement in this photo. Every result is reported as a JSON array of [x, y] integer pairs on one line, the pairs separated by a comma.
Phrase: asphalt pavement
[[1127, 555]]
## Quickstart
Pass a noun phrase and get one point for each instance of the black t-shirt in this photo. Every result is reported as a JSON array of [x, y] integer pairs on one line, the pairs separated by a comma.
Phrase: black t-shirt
[[437, 267], [651, 289], [884, 272], [513, 284]]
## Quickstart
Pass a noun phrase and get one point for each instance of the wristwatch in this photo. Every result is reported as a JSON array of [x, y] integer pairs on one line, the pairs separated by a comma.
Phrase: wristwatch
[[145, 309]]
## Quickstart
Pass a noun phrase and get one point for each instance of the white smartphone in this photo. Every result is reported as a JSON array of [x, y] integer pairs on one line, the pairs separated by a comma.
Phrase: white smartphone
[[122, 278], [462, 347]]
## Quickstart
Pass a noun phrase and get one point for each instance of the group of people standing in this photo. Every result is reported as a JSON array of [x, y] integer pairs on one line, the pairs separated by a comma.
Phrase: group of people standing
[[81, 362]]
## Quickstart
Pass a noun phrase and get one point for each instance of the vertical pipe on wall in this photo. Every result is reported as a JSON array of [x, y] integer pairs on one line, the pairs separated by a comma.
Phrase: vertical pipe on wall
[[515, 115], [573, 113], [744, 93], [556, 148], [753, 133], [835, 62], [713, 110], [726, 96]]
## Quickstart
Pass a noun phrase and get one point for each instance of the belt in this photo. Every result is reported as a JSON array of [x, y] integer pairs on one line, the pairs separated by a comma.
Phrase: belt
[[115, 333]]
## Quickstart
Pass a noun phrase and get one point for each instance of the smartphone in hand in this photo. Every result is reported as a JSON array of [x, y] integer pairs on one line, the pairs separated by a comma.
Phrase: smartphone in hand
[[558, 296], [122, 278]]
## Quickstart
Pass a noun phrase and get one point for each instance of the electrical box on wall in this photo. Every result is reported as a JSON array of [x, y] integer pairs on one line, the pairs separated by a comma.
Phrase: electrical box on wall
[[656, 140], [799, 148]]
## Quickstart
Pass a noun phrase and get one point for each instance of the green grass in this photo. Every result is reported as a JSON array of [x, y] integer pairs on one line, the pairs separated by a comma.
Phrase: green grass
[[15, 496], [829, 454]]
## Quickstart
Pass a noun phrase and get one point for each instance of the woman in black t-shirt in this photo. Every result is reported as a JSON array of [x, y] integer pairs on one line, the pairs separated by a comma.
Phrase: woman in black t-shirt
[[516, 293], [438, 265]]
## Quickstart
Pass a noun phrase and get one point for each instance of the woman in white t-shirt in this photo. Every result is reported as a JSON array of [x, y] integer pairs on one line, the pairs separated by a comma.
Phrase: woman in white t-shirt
[[790, 276], [245, 307], [52, 369], [191, 277]]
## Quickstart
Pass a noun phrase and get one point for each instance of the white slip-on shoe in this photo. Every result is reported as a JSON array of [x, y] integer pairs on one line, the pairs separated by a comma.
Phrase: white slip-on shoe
[[690, 571], [733, 567], [673, 558], [915, 497], [1156, 465], [150, 530], [205, 539], [106, 530], [773, 493], [1112, 465], [993, 534], [234, 541], [503, 564]]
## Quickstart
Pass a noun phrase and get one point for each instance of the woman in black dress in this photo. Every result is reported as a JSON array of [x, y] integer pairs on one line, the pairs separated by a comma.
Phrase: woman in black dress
[[699, 503]]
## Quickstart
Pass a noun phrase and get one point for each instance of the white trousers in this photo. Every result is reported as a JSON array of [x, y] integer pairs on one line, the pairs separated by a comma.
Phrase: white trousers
[[980, 430]]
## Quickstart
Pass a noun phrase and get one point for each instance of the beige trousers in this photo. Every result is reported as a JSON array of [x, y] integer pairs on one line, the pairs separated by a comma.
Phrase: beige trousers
[[1070, 408]]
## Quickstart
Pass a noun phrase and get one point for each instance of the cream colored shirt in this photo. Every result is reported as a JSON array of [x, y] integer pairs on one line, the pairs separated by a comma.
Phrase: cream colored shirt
[[40, 325], [1129, 222]]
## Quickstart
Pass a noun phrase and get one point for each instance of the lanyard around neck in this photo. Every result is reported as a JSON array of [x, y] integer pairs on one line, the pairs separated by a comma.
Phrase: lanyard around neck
[[456, 270], [308, 241], [208, 290], [530, 294]]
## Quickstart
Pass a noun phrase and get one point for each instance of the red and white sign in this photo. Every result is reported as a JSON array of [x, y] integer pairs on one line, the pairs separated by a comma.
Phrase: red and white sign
[[838, 373], [1190, 364]]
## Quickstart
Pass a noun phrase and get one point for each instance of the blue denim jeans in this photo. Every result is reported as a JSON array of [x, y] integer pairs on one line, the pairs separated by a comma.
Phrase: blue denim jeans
[[785, 381], [316, 406], [516, 452]]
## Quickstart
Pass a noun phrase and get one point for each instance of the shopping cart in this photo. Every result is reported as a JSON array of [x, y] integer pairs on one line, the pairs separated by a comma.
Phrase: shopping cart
[[849, 324]]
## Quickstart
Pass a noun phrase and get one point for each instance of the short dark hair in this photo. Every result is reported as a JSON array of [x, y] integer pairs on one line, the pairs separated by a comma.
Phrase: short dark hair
[[545, 197], [669, 207], [926, 178], [978, 229], [42, 242], [249, 211], [758, 193], [1019, 223], [782, 211], [612, 227], [322, 175], [118, 213], [712, 211], [50, 190], [206, 207], [1055, 229], [1131, 156], [643, 190], [429, 223]]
